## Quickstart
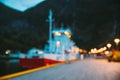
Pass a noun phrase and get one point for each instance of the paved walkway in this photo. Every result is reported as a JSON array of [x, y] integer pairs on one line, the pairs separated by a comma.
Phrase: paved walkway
[[88, 69]]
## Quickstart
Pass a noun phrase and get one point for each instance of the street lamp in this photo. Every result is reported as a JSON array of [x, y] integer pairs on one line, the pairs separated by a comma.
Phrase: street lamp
[[109, 45], [7, 52], [116, 42]]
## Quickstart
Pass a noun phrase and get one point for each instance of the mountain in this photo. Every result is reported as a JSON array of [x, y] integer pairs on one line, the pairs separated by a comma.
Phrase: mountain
[[93, 23]]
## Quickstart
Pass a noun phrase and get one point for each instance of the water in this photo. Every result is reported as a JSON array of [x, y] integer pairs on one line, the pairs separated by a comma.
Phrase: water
[[9, 67]]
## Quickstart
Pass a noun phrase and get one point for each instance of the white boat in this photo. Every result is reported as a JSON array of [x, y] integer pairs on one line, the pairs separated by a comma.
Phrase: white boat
[[59, 43]]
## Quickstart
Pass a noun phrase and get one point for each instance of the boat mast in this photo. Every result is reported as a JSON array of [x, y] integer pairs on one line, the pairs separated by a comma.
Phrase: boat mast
[[50, 29]]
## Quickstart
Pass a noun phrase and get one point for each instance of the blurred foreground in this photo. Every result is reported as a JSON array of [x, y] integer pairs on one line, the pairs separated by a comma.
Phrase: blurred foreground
[[87, 69]]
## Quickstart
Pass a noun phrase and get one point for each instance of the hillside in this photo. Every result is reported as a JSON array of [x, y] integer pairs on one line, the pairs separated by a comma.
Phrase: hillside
[[93, 23]]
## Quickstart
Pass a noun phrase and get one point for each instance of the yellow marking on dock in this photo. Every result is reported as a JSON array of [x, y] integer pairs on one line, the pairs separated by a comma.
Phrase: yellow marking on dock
[[28, 71]]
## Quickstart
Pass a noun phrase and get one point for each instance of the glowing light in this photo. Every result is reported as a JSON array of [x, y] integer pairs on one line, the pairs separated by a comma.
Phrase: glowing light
[[116, 41], [94, 50], [7, 51], [40, 52], [68, 34], [109, 45], [107, 52], [89, 52], [58, 43], [21, 5], [60, 32], [80, 50], [57, 34]]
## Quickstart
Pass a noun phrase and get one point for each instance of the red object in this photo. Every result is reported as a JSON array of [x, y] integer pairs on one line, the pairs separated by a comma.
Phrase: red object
[[34, 62]]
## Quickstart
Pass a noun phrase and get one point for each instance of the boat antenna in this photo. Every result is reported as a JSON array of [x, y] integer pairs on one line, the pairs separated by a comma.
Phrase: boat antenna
[[50, 28]]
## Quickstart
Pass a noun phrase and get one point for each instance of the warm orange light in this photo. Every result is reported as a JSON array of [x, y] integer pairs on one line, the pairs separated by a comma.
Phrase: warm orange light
[[116, 41], [40, 52], [7, 51], [57, 33], [107, 52], [109, 45], [80, 50], [68, 34]]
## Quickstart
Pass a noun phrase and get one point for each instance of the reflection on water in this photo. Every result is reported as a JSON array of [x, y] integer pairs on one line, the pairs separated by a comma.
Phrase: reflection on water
[[9, 66]]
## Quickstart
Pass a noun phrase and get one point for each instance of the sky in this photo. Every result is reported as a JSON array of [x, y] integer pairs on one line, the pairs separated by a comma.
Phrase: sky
[[21, 5]]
